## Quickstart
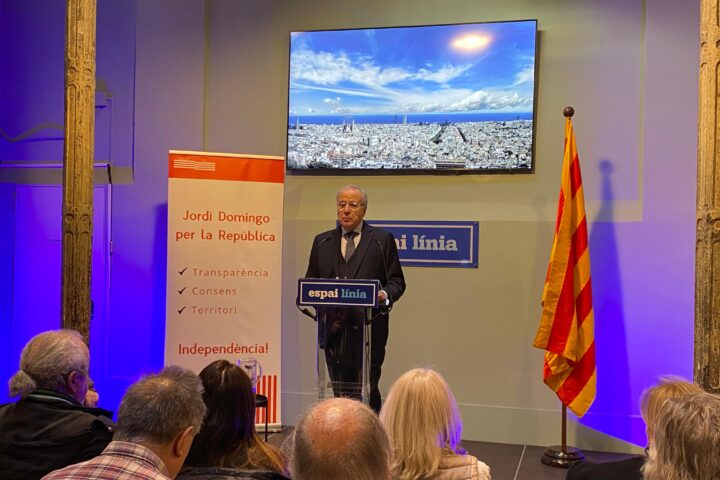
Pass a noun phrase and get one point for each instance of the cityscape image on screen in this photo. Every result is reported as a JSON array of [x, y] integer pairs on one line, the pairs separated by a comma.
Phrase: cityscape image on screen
[[424, 98]]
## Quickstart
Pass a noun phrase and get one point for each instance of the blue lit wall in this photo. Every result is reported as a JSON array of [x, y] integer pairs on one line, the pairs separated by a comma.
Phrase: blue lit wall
[[31, 118]]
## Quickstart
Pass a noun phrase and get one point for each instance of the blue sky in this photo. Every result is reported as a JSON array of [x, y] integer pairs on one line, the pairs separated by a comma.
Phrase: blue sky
[[484, 67]]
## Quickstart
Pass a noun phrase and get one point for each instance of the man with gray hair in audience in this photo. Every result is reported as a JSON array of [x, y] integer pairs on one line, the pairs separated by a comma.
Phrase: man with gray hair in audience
[[51, 426], [158, 418], [340, 439]]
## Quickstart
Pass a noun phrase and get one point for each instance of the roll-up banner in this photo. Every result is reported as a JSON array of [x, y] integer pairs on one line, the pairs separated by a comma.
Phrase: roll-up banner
[[224, 264]]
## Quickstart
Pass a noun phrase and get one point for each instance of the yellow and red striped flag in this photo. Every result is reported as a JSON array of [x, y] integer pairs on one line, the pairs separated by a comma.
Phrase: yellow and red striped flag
[[566, 326]]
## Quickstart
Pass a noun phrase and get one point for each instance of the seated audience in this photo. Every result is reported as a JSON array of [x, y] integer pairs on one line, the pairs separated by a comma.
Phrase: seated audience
[[686, 442], [157, 421], [340, 439], [631, 468], [49, 427], [424, 425], [227, 446]]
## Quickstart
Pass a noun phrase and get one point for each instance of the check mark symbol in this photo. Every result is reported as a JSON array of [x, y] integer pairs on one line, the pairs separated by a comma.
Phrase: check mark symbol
[[181, 310], [182, 271], [181, 291]]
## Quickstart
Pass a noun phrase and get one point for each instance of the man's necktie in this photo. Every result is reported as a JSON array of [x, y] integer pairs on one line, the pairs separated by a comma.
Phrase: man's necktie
[[350, 247]]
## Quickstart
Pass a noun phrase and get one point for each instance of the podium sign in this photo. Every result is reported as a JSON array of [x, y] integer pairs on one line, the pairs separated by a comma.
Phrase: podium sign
[[336, 344], [315, 292]]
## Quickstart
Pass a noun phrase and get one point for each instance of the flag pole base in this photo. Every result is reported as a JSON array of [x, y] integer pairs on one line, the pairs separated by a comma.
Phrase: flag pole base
[[555, 456]]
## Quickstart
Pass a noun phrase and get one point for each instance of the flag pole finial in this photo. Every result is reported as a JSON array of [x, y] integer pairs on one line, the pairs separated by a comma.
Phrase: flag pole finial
[[568, 112]]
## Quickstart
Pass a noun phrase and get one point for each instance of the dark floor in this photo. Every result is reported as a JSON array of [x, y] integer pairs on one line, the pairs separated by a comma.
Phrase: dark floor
[[507, 461]]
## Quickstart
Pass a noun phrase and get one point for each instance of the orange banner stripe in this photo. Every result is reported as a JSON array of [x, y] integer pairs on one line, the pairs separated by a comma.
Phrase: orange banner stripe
[[240, 168], [274, 396]]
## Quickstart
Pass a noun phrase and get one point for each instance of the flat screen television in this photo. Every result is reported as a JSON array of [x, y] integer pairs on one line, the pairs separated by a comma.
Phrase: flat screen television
[[421, 99]]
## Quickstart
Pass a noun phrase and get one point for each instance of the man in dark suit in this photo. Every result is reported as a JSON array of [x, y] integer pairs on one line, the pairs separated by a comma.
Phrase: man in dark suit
[[355, 250]]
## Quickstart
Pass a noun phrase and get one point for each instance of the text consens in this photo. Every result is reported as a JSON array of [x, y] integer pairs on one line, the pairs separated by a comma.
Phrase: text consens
[[213, 291]]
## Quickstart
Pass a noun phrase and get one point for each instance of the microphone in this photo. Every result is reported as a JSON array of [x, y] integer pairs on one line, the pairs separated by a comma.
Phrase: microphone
[[388, 307], [304, 310]]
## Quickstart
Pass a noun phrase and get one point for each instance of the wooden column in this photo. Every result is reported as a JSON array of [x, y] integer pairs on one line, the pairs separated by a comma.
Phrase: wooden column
[[707, 248], [77, 208]]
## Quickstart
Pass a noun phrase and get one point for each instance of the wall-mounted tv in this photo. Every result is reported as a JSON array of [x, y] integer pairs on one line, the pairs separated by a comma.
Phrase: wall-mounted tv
[[422, 99]]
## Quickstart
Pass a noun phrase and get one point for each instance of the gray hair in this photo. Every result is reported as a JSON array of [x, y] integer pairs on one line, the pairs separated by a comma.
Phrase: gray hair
[[686, 441], [363, 193], [340, 439], [653, 397], [47, 359], [160, 406]]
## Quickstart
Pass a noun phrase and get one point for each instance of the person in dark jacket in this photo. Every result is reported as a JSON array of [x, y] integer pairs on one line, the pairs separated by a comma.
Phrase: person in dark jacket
[[49, 427], [650, 402]]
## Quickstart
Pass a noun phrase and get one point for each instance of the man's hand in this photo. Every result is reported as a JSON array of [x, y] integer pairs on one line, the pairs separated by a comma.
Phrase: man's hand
[[91, 398], [382, 297]]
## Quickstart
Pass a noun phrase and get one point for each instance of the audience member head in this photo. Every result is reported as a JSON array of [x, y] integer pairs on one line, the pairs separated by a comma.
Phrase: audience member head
[[228, 437], [686, 444], [340, 439], [57, 360], [163, 412], [422, 419], [653, 397]]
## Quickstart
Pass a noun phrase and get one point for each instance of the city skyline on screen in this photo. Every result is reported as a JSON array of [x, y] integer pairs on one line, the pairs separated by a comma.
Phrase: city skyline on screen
[[425, 98], [468, 68]]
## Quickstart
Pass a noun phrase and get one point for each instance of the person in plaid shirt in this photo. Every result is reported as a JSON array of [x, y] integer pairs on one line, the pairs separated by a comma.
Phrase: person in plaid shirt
[[157, 422]]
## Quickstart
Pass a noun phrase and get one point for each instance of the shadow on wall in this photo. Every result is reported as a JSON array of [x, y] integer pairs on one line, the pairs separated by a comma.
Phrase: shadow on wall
[[611, 412]]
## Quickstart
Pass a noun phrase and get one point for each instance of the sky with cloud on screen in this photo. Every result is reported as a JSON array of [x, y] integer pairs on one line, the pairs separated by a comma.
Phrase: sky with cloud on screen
[[413, 70]]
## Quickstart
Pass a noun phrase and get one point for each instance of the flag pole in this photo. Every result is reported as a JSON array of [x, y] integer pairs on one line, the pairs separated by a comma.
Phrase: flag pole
[[563, 441], [562, 456]]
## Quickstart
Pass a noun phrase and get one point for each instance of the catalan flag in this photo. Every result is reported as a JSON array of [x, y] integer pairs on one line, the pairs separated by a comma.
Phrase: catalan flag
[[566, 326]]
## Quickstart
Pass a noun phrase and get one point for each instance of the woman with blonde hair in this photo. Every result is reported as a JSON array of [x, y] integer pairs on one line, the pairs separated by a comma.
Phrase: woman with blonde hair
[[686, 441], [651, 400], [424, 426]]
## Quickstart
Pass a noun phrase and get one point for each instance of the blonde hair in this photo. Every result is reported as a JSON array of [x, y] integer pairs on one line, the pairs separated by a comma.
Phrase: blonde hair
[[687, 440], [653, 397], [422, 420]]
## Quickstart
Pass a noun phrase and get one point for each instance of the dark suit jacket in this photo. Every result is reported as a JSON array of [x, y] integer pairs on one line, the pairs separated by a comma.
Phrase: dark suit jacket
[[628, 469], [378, 254]]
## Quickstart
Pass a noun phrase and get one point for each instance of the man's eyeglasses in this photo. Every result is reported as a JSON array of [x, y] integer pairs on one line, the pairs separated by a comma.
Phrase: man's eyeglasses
[[350, 205]]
